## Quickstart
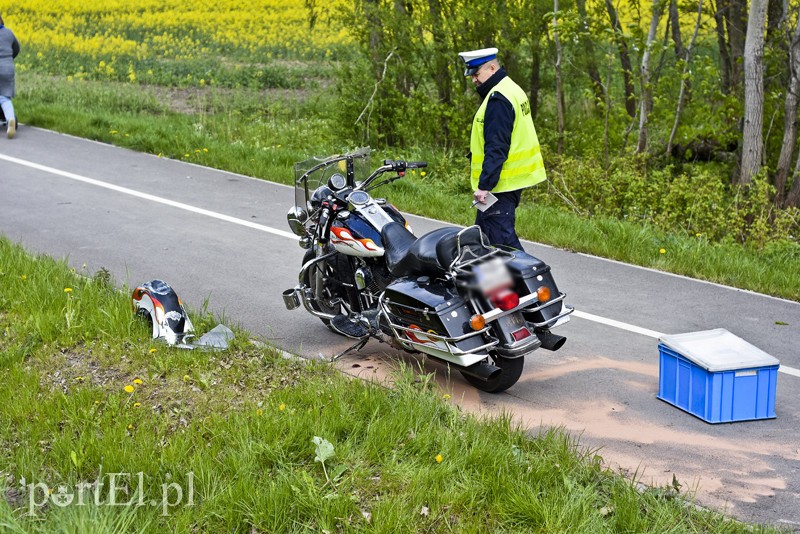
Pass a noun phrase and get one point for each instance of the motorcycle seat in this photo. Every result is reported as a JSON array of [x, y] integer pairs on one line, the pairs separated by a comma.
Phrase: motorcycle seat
[[431, 254]]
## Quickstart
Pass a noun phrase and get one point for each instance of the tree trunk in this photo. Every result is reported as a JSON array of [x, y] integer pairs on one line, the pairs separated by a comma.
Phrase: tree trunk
[[646, 97], [607, 111], [736, 22], [536, 68], [440, 60], [403, 81], [441, 73], [790, 119], [725, 67], [675, 25], [775, 18], [373, 17], [677, 39], [752, 136], [793, 199], [559, 92], [684, 78], [588, 49], [625, 60]]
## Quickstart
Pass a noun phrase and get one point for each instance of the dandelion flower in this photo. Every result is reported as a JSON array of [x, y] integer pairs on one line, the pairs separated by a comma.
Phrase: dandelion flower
[[67, 290], [423, 173], [186, 378], [282, 407], [446, 396], [439, 458], [23, 277], [138, 381], [137, 404], [662, 251], [259, 412], [96, 402], [151, 351], [129, 389]]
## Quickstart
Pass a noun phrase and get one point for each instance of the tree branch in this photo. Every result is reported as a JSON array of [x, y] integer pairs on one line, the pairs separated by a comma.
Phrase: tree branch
[[375, 91]]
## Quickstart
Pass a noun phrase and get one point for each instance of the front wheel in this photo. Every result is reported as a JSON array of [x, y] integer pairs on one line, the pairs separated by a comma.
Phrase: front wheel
[[510, 371], [324, 296]]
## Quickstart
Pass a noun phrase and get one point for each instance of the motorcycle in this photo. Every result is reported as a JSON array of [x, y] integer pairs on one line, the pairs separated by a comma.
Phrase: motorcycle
[[447, 294]]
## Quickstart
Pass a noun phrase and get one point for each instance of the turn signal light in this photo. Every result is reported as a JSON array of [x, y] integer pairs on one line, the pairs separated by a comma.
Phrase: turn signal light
[[543, 293], [477, 322], [506, 300]]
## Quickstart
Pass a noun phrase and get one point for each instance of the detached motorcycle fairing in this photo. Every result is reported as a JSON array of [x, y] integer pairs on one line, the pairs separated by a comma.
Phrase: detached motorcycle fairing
[[447, 294], [158, 301]]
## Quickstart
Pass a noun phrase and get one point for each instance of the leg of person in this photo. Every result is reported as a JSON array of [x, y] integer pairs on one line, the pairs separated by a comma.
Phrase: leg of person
[[498, 221], [11, 119]]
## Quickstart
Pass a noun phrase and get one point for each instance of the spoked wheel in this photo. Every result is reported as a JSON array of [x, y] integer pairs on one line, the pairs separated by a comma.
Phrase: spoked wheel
[[324, 296], [511, 370]]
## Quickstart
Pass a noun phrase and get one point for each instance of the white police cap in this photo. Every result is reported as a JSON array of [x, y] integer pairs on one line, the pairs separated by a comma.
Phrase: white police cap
[[475, 58]]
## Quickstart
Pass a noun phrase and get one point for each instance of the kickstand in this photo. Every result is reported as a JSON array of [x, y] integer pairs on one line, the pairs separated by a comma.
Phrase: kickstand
[[356, 347]]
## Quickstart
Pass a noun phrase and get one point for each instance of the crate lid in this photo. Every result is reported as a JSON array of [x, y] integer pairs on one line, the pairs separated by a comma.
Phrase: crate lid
[[718, 350]]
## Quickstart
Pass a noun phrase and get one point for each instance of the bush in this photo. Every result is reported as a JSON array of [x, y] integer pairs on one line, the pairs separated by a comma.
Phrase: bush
[[692, 200]]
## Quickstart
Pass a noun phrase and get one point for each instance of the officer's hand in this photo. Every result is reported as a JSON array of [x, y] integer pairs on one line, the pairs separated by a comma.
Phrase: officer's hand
[[480, 196]]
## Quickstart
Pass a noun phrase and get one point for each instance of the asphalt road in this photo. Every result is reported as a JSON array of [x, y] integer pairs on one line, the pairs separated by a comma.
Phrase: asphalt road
[[223, 237]]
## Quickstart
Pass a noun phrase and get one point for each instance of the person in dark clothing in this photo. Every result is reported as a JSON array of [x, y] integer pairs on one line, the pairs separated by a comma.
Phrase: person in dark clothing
[[505, 155], [9, 48]]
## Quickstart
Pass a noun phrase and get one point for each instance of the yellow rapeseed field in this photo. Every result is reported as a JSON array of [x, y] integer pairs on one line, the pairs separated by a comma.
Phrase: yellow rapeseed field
[[119, 39]]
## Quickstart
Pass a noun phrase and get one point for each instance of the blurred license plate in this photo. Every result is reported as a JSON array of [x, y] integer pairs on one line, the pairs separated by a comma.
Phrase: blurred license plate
[[492, 276]]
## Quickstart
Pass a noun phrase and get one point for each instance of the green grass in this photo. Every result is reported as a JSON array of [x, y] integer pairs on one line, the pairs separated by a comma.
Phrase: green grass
[[262, 134], [236, 429]]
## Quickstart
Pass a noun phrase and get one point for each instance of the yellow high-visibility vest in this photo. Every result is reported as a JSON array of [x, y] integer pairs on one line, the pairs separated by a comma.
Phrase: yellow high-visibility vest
[[524, 166]]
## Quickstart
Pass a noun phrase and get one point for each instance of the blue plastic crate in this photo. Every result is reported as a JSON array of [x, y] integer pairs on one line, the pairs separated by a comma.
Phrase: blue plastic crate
[[717, 377]]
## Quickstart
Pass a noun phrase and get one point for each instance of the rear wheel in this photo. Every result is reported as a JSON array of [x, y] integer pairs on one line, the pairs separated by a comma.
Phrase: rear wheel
[[510, 371], [324, 295]]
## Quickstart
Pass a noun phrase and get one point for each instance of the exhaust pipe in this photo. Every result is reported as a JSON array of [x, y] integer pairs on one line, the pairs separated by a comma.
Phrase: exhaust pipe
[[551, 341], [481, 370], [291, 298]]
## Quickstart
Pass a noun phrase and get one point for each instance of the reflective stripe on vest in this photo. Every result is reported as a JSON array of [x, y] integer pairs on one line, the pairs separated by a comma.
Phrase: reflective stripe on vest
[[524, 166]]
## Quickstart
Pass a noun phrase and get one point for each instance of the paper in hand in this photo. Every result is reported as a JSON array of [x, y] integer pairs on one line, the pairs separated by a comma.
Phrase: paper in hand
[[487, 202]]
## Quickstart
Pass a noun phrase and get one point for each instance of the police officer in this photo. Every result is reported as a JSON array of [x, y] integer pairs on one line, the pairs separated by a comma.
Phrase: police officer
[[504, 149]]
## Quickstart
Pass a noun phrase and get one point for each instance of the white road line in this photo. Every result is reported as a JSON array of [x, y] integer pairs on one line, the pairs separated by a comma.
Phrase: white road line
[[789, 370], [261, 227], [652, 333], [617, 324], [150, 197]]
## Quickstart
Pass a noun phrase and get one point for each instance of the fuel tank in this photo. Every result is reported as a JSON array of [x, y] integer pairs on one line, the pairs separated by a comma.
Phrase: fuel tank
[[353, 234]]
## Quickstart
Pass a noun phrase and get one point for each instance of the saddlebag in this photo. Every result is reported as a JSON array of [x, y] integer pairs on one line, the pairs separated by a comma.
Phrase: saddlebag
[[431, 314], [529, 274]]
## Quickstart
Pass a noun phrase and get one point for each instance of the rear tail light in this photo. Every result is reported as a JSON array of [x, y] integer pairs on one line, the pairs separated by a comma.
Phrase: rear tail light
[[505, 300]]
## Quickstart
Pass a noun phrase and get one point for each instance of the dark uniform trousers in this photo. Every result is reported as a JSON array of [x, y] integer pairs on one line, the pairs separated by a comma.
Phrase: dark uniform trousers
[[498, 221]]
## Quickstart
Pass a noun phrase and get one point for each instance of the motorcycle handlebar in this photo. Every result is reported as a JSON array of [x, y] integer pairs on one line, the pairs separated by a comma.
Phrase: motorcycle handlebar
[[400, 166]]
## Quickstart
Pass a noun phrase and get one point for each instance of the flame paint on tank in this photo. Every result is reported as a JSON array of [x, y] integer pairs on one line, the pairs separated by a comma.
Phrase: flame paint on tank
[[346, 243]]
